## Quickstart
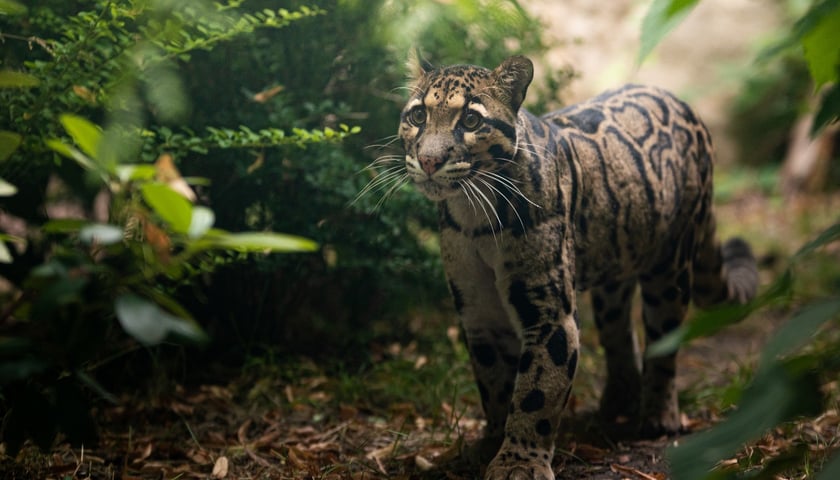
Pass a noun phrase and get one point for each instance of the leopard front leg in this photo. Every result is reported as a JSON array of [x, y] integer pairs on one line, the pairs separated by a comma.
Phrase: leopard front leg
[[543, 305], [493, 343]]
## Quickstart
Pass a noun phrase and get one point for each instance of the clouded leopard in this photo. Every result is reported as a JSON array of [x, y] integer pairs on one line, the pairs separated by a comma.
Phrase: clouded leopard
[[605, 195]]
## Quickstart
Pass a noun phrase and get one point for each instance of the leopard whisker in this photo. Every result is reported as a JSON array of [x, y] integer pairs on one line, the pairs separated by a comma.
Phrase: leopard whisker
[[389, 140], [472, 190], [402, 180], [480, 195], [383, 160], [506, 199], [388, 180], [509, 184]]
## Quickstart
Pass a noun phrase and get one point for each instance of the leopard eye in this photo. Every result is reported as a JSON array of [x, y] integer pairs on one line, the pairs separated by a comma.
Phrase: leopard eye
[[471, 120], [417, 116]]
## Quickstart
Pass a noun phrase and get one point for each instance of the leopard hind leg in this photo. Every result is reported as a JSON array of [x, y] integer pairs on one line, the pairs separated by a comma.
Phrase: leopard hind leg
[[666, 294], [620, 399]]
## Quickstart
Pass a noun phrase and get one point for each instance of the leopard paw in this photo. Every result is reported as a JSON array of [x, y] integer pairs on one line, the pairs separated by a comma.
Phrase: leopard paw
[[666, 423], [520, 465], [524, 471]]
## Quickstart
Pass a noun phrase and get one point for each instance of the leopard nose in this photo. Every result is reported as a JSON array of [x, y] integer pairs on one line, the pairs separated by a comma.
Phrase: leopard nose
[[430, 164]]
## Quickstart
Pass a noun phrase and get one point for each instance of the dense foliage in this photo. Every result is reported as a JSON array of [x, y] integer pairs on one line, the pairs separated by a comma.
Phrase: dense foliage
[[271, 114]]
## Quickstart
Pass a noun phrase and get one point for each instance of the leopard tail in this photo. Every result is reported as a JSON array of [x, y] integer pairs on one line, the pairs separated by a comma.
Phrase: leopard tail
[[723, 273]]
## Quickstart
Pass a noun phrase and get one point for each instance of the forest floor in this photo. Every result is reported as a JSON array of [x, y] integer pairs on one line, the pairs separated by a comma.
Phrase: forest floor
[[406, 413]]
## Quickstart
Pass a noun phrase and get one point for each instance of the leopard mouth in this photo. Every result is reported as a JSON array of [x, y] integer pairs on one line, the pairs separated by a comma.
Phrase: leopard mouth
[[435, 190]]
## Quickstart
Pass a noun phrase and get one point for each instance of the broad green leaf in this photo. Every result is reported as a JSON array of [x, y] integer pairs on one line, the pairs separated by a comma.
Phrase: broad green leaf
[[5, 254], [12, 79], [202, 220], [828, 110], [661, 17], [822, 48], [62, 291], [827, 236], [708, 322], [150, 324], [260, 242], [97, 387], [127, 173], [64, 225], [86, 135], [20, 369], [173, 208], [165, 91], [10, 7], [101, 233], [831, 470], [772, 398], [800, 328], [7, 189], [9, 142], [72, 153]]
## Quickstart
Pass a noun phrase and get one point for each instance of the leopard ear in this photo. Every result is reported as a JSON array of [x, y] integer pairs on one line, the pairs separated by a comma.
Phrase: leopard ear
[[512, 78], [417, 66]]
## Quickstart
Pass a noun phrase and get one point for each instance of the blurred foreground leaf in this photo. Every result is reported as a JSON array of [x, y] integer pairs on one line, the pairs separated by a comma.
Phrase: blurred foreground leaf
[[661, 18], [150, 325]]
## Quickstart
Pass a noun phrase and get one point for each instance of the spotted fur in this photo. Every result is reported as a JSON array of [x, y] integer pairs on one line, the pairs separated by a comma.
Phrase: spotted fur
[[606, 195]]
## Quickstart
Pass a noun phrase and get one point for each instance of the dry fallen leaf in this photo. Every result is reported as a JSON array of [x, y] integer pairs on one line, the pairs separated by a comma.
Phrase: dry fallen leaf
[[220, 468], [167, 173], [590, 453], [145, 453], [622, 470], [85, 94], [267, 94]]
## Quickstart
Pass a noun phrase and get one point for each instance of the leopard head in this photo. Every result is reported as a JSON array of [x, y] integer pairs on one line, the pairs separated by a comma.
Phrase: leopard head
[[460, 122]]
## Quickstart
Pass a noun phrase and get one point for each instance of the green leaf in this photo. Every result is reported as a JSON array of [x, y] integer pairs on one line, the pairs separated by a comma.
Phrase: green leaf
[[827, 236], [173, 208], [773, 397], [7, 189], [822, 49], [831, 471], [708, 322], [202, 220], [12, 79], [5, 254], [9, 142], [72, 153], [800, 328], [101, 233], [127, 173], [661, 17], [21, 369], [828, 110], [86, 135], [257, 242], [10, 7], [63, 225], [150, 324], [97, 387]]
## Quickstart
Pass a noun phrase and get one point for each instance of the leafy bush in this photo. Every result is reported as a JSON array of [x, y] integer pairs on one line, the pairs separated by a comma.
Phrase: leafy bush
[[71, 277], [254, 104]]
